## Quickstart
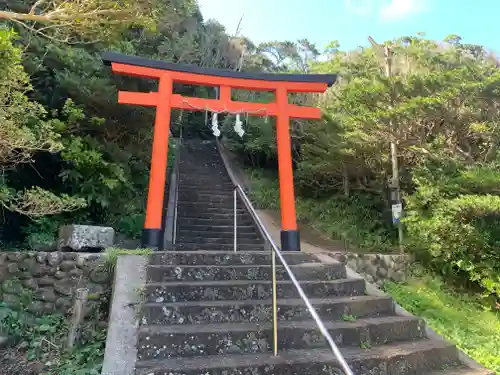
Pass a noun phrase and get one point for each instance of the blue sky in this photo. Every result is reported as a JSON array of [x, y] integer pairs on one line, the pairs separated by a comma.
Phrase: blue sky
[[351, 21]]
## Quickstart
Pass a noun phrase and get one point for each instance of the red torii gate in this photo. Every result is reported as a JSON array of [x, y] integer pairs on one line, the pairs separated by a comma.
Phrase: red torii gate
[[164, 100]]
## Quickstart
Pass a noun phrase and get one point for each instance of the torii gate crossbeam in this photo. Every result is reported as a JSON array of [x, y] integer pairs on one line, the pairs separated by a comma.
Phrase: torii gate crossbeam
[[164, 100]]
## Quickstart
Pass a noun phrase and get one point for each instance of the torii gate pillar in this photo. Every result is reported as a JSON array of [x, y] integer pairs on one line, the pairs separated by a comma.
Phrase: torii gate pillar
[[290, 239], [164, 100]]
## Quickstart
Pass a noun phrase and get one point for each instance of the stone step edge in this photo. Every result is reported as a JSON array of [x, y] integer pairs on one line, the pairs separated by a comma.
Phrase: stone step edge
[[231, 227], [221, 194], [220, 247], [224, 191], [210, 283], [290, 357], [232, 254], [305, 265], [211, 206], [242, 214], [463, 371], [207, 183], [248, 239], [210, 217], [222, 230], [360, 324], [225, 205], [225, 244], [280, 301]]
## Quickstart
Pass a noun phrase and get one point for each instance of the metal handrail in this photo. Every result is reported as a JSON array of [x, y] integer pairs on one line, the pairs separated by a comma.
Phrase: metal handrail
[[276, 252], [176, 195]]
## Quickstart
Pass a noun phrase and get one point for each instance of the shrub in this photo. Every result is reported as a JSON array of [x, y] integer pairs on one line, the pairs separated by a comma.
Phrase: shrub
[[461, 236], [357, 220]]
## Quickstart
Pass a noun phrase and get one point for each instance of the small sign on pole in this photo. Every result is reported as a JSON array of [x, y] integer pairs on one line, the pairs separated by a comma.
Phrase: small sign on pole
[[397, 212]]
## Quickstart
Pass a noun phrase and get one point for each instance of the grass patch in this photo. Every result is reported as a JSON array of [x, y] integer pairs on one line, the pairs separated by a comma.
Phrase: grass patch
[[112, 253], [459, 317], [353, 220]]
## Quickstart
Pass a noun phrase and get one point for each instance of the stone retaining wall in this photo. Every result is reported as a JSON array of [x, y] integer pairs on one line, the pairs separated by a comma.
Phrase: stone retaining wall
[[45, 282], [376, 268]]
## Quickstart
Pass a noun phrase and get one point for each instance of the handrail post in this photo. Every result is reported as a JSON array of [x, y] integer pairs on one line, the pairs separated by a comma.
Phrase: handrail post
[[171, 212], [177, 166], [275, 305], [235, 201], [176, 200]]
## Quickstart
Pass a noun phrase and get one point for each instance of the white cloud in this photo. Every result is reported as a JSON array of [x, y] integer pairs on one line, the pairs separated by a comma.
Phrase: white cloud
[[401, 9]]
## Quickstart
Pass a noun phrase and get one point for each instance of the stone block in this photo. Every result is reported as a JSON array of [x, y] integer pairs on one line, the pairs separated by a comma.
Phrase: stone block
[[85, 238]]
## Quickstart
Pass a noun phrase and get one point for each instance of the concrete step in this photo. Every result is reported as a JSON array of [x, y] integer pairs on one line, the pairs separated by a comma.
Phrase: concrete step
[[218, 247], [228, 232], [187, 222], [244, 290], [243, 239], [205, 190], [213, 186], [201, 158], [462, 370], [226, 243], [217, 220], [208, 174], [311, 271], [223, 231], [186, 233], [214, 182], [201, 205], [215, 216], [219, 229], [219, 202], [204, 159], [410, 358], [225, 258], [221, 196], [220, 239], [209, 162], [159, 341], [260, 311]]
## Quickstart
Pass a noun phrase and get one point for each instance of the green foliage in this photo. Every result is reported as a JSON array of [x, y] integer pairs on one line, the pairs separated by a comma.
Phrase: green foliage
[[461, 318], [454, 223], [25, 131], [90, 20], [41, 340], [354, 220], [440, 107], [96, 151]]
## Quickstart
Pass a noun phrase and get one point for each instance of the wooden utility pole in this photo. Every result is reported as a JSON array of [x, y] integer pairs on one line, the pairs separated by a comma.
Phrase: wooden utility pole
[[394, 185]]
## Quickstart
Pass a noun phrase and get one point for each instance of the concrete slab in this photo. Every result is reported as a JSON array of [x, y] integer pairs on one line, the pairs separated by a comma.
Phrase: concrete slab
[[128, 294]]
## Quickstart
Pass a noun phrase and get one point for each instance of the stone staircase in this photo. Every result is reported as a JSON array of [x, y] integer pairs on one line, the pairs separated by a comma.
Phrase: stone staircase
[[208, 310], [206, 204]]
